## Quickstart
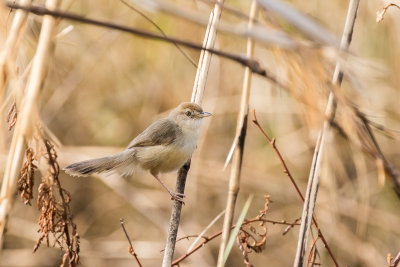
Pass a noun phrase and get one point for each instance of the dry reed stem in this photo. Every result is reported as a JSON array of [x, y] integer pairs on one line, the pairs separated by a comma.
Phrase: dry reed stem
[[205, 56], [241, 128], [8, 57], [26, 119], [7, 54], [313, 181], [197, 97]]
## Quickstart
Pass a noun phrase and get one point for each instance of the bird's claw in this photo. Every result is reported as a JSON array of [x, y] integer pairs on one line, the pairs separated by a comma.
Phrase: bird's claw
[[177, 196]]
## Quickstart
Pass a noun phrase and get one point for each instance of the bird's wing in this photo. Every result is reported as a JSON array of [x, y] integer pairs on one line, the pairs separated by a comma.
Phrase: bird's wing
[[161, 132]]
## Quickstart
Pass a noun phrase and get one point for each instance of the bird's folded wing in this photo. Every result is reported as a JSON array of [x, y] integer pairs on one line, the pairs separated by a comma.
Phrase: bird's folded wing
[[161, 132]]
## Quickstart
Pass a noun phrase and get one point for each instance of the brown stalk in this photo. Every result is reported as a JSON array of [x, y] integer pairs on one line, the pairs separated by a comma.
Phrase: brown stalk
[[240, 137]]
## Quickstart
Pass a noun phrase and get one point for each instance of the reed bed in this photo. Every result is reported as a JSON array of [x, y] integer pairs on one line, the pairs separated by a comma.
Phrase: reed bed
[[81, 83]]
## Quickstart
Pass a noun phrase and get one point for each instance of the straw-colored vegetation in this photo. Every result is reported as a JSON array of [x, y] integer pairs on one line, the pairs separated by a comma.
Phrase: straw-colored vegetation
[[71, 91]]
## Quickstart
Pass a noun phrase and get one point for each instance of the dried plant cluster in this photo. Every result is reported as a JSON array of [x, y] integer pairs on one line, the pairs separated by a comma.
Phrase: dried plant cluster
[[253, 238], [27, 179], [56, 217], [76, 77], [56, 226]]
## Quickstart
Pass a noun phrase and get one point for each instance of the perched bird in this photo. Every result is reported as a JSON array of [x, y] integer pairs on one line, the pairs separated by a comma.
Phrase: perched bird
[[163, 147]]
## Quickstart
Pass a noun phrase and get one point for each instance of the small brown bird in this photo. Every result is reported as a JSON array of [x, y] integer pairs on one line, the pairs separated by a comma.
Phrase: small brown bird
[[163, 147]]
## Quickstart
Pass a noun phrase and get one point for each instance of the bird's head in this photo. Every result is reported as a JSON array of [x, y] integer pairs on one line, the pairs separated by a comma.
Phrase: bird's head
[[189, 115]]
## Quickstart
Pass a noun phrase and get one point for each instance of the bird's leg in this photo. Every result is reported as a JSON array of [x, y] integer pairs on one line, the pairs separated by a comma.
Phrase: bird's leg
[[174, 196]]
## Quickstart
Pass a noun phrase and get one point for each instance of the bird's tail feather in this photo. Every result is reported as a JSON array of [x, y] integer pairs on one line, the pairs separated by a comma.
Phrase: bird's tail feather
[[122, 163]]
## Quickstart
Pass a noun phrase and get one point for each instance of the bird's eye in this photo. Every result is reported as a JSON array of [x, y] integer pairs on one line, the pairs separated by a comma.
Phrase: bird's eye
[[188, 113]]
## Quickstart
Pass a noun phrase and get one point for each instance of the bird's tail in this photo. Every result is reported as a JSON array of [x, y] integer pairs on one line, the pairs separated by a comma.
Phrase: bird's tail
[[123, 163]]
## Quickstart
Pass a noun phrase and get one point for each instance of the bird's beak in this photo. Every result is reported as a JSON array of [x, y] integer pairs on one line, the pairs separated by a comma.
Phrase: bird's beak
[[204, 114]]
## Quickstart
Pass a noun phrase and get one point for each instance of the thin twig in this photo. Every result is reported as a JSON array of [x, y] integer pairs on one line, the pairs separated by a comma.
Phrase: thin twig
[[313, 180], [131, 250], [286, 170], [381, 14], [278, 153], [240, 136]]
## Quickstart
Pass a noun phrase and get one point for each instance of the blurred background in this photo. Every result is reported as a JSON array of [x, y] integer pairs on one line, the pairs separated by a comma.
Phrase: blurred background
[[104, 87]]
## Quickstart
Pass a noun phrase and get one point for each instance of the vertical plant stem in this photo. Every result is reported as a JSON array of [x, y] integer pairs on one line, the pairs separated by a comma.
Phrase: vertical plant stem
[[313, 180], [8, 58], [197, 97], [7, 54], [241, 128], [205, 56], [26, 120]]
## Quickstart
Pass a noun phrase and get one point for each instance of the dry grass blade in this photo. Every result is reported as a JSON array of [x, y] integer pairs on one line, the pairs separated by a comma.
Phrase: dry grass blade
[[236, 230], [313, 182], [240, 136]]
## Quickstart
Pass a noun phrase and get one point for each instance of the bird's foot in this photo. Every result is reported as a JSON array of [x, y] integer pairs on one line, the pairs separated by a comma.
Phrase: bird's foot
[[177, 196]]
